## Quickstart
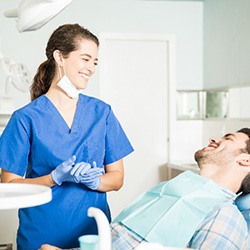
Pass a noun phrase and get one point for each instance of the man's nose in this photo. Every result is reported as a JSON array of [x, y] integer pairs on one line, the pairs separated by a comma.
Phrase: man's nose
[[213, 140]]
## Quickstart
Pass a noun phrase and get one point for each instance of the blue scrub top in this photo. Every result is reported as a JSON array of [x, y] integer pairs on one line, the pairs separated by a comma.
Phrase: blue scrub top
[[36, 140]]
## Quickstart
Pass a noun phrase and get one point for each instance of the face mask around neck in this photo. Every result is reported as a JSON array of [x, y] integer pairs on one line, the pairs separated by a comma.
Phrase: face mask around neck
[[68, 87]]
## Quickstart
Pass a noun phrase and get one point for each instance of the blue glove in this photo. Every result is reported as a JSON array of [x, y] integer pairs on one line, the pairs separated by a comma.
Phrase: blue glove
[[69, 171], [91, 178]]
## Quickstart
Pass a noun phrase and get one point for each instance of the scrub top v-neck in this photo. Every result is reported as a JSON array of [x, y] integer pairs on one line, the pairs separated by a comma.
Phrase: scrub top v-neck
[[36, 140], [61, 121]]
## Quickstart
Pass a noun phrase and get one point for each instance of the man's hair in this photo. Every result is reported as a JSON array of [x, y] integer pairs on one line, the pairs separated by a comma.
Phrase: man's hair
[[245, 185], [247, 132]]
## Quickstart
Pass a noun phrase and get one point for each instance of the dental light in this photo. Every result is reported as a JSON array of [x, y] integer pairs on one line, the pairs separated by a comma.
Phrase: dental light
[[33, 14], [30, 15]]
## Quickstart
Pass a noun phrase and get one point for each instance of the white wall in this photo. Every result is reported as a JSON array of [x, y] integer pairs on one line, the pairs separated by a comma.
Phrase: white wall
[[226, 43], [226, 55], [184, 19]]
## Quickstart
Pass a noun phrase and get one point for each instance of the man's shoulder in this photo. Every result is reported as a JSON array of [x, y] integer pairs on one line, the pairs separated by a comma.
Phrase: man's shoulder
[[223, 228], [227, 208], [226, 212]]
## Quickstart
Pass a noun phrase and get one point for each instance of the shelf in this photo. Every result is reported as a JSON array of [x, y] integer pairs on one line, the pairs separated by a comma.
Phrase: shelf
[[184, 166], [15, 195], [6, 112], [4, 117], [180, 166]]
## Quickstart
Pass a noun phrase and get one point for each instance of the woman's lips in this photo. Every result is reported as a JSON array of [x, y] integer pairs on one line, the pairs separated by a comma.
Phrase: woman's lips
[[84, 76]]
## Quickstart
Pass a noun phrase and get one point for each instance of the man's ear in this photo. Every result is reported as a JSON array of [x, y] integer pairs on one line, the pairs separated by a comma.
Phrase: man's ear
[[244, 160]]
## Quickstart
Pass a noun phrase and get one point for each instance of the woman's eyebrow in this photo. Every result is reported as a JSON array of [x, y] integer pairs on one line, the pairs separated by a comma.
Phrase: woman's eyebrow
[[96, 59]]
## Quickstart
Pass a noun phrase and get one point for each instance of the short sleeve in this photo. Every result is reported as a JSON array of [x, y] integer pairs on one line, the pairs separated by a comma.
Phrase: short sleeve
[[15, 145], [117, 143]]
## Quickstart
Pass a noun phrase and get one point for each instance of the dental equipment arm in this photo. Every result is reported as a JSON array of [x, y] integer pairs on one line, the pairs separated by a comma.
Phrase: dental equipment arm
[[103, 228]]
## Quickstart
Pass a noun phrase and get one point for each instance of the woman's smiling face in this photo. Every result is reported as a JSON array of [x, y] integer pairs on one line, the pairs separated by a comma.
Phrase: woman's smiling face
[[80, 64]]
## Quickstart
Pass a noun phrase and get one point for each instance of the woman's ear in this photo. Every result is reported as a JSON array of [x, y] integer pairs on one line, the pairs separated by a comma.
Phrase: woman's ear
[[244, 160], [58, 57]]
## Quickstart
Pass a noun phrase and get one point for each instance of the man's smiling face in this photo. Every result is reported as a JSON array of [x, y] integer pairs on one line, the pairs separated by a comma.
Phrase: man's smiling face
[[223, 149]]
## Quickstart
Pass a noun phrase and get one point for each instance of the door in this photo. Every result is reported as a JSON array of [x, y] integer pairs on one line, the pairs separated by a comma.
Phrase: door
[[135, 79]]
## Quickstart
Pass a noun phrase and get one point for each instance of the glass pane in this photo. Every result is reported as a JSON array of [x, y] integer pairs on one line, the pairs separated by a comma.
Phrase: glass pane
[[217, 104], [189, 105]]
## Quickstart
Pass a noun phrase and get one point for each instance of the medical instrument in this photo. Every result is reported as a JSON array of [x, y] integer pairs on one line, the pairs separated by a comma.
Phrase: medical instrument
[[104, 234], [89, 242], [33, 14], [20, 195], [18, 75]]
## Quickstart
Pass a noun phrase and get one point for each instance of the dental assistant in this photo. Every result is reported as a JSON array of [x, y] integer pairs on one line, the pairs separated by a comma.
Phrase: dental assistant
[[65, 140]]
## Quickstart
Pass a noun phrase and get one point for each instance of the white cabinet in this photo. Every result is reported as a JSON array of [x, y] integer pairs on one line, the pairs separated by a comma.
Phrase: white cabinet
[[8, 227], [4, 118], [176, 168]]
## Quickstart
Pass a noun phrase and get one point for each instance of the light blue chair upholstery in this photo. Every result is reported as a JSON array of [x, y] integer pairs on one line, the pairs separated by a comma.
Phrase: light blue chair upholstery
[[243, 204]]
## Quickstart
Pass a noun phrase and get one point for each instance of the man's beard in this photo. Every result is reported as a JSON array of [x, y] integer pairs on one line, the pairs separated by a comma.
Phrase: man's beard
[[203, 157], [198, 156]]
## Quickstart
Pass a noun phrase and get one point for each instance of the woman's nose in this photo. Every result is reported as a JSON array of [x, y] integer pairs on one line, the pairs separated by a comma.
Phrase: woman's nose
[[90, 67]]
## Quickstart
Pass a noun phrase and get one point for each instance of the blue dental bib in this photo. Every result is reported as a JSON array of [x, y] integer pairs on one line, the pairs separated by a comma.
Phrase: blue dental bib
[[170, 212]]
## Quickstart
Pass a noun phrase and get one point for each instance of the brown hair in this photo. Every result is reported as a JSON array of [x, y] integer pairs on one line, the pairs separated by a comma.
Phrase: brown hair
[[246, 131], [245, 185], [64, 39]]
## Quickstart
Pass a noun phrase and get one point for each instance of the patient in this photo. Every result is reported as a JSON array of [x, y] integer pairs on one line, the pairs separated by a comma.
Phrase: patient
[[191, 210]]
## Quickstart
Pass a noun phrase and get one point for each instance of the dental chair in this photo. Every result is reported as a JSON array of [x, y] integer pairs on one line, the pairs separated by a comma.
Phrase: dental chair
[[243, 204]]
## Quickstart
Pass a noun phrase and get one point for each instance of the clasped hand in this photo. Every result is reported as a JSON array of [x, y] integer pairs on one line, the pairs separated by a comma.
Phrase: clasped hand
[[81, 172]]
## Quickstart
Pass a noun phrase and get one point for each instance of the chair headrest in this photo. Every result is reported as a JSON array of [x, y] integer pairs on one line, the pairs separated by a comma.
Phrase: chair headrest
[[243, 202]]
